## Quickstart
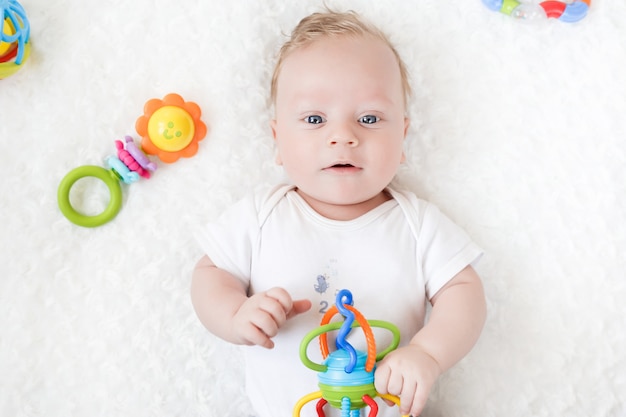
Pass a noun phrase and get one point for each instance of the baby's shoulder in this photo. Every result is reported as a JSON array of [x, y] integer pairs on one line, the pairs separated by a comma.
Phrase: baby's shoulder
[[408, 200], [265, 198]]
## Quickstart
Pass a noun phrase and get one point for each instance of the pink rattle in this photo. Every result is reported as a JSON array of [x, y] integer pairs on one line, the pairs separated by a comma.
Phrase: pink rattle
[[134, 158]]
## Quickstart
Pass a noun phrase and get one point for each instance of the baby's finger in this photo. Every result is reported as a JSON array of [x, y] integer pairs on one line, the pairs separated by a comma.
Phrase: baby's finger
[[255, 336], [282, 296], [274, 309], [419, 400], [299, 307], [408, 398], [381, 379], [395, 384], [266, 323]]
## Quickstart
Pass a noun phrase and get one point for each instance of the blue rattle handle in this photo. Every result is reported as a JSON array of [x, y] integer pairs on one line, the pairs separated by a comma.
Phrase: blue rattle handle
[[345, 297]]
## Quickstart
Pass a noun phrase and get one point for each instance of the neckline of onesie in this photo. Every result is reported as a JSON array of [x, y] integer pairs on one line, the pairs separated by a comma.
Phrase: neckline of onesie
[[353, 224]]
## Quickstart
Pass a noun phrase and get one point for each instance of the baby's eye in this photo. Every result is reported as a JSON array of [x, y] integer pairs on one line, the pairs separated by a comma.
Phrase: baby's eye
[[314, 119], [369, 119]]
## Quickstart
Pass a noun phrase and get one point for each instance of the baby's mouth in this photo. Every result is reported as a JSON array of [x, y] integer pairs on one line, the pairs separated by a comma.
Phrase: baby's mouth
[[343, 168]]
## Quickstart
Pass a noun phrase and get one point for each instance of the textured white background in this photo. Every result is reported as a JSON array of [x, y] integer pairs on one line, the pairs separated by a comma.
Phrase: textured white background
[[518, 134]]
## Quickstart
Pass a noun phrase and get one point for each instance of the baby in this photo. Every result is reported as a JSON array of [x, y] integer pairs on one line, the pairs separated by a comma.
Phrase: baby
[[276, 259]]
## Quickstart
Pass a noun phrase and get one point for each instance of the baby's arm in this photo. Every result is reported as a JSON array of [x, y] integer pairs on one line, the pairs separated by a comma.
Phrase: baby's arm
[[455, 322], [224, 308]]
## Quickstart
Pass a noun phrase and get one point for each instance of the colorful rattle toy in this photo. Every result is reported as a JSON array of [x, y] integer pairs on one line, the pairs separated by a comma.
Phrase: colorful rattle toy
[[14, 37], [170, 128], [346, 378], [566, 11]]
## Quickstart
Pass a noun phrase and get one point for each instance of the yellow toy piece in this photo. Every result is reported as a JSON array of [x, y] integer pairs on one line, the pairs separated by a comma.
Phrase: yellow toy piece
[[7, 30], [171, 128]]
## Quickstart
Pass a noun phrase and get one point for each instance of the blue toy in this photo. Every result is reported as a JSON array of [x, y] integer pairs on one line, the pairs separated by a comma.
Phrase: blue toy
[[14, 37], [346, 378]]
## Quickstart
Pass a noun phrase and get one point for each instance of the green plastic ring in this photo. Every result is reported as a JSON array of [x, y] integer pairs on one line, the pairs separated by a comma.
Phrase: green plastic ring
[[115, 191], [336, 326]]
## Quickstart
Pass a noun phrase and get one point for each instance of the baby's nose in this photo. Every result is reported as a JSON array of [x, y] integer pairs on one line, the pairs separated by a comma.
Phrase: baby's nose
[[343, 137]]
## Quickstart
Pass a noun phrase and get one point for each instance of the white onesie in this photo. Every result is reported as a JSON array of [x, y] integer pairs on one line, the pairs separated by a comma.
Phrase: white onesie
[[393, 259]]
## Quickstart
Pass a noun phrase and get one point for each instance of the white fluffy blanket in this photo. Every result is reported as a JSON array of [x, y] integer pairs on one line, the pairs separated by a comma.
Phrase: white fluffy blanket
[[518, 133]]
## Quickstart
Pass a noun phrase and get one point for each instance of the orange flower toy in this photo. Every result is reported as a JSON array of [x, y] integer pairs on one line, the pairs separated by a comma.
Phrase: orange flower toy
[[170, 128]]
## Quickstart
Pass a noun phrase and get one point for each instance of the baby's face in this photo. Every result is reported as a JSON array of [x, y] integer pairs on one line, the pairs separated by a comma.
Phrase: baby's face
[[340, 119]]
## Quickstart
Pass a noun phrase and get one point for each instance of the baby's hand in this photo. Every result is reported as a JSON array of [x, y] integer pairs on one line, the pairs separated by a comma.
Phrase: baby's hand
[[409, 373], [260, 316]]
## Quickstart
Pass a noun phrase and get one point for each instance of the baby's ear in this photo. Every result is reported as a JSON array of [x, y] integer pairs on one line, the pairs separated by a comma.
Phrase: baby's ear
[[407, 123], [278, 160]]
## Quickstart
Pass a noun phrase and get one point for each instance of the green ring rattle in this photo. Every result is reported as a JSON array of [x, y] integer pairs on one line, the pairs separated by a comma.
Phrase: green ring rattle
[[106, 176]]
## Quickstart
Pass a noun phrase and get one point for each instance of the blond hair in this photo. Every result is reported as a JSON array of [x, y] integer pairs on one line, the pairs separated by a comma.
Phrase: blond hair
[[333, 24]]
